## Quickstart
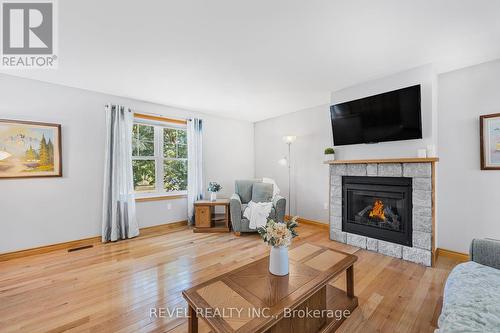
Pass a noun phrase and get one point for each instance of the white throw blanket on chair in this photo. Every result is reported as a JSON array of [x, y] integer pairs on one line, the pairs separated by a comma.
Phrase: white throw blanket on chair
[[276, 189], [257, 213]]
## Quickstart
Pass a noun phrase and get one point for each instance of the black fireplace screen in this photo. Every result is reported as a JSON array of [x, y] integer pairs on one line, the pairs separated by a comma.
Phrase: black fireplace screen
[[378, 207]]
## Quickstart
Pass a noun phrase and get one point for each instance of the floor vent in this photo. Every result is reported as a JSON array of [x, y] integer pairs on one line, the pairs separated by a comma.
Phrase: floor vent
[[80, 248]]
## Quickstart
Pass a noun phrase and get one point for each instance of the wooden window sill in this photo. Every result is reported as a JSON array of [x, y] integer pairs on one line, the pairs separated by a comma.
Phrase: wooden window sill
[[161, 197]]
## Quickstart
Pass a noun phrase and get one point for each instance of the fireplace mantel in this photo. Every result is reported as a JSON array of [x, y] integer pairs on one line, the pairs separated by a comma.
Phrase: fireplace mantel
[[387, 160]]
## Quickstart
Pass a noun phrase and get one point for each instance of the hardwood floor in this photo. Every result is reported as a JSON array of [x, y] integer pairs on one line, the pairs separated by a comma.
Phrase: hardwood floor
[[112, 287]]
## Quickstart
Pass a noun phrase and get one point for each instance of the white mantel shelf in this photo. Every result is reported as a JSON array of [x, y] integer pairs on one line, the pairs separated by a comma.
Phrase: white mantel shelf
[[387, 160]]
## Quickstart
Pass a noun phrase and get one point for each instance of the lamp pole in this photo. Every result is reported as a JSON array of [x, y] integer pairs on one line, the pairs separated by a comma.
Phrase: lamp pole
[[289, 178], [288, 139]]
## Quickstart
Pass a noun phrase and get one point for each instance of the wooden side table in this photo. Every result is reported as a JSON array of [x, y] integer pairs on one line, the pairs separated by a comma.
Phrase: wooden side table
[[205, 218]]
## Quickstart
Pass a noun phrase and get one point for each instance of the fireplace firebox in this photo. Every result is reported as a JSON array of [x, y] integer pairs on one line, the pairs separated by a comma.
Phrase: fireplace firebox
[[378, 207]]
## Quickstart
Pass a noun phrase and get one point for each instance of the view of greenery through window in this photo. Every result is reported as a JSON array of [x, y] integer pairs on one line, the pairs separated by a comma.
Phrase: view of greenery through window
[[159, 157], [175, 163]]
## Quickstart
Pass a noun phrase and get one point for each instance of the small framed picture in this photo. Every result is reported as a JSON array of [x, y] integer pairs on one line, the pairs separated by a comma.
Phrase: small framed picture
[[30, 149], [490, 141]]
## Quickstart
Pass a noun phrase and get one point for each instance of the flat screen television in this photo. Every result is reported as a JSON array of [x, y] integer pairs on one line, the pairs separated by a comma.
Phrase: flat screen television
[[391, 116]]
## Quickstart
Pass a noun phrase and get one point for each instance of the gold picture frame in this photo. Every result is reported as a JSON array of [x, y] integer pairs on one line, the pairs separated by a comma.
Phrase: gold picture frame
[[30, 149]]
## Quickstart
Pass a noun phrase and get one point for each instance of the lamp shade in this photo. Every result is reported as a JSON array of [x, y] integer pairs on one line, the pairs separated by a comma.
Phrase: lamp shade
[[289, 138]]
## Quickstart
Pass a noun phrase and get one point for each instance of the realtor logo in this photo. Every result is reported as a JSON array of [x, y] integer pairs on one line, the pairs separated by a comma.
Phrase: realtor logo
[[28, 32]]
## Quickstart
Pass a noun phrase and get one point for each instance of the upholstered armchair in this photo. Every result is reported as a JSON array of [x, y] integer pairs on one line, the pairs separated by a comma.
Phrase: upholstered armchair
[[257, 191]]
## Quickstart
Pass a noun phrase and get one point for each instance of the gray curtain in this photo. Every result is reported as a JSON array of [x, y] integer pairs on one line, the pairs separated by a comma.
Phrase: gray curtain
[[195, 165], [118, 210]]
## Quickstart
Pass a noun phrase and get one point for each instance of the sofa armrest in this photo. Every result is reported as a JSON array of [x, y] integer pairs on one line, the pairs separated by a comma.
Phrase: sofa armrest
[[279, 204], [485, 252], [235, 211]]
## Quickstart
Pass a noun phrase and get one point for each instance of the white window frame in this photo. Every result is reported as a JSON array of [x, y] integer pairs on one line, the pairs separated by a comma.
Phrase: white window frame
[[158, 157]]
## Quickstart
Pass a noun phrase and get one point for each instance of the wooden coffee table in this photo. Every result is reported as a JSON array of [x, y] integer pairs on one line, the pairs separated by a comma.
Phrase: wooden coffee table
[[250, 299]]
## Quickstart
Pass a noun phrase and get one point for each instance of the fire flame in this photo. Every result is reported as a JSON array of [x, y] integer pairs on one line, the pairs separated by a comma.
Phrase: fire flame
[[378, 210]]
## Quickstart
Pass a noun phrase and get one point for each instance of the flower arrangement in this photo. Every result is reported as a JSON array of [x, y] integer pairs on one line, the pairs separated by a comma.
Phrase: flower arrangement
[[214, 187], [279, 234]]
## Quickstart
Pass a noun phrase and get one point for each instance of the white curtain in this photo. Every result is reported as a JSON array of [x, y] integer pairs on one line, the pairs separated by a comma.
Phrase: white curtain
[[195, 165], [118, 211]]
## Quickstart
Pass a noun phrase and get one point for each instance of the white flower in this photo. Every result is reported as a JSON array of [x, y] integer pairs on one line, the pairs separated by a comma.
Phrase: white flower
[[277, 234]]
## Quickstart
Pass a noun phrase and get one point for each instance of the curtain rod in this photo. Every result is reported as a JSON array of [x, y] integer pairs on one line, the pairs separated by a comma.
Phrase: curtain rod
[[155, 116], [160, 118]]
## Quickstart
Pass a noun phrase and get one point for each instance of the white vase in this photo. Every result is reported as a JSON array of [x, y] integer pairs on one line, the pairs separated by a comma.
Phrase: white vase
[[213, 196], [329, 157], [278, 260]]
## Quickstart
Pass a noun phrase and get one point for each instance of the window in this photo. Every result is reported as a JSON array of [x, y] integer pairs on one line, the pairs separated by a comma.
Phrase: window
[[159, 158]]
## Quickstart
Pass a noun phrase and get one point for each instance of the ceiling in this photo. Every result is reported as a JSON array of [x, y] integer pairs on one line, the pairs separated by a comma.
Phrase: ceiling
[[258, 59]]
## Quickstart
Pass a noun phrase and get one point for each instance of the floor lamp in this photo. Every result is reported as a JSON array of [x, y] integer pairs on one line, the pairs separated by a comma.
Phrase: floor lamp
[[286, 161]]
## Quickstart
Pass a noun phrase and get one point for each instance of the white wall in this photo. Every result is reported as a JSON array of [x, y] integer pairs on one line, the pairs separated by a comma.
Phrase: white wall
[[469, 199], [41, 211], [310, 175]]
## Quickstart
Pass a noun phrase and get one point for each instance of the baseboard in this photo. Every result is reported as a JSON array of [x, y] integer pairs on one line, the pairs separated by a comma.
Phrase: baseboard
[[311, 222], [458, 256], [50, 248], [159, 229], [144, 232]]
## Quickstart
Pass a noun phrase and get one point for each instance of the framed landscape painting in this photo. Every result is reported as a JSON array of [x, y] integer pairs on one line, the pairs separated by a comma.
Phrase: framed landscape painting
[[490, 141], [29, 149]]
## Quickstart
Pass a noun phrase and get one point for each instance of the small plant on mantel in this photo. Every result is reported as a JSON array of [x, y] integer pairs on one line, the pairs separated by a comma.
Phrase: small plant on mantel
[[329, 154], [329, 151]]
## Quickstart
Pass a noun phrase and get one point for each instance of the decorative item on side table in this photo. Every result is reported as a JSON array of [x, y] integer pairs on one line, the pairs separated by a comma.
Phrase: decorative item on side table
[[30, 149], [490, 141], [329, 154], [279, 236], [213, 188]]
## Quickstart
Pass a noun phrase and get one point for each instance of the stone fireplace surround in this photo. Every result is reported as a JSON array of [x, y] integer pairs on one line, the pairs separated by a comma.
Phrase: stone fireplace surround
[[421, 171]]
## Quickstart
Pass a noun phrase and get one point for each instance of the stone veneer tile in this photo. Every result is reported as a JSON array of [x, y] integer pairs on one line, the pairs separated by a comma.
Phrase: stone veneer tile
[[422, 240], [418, 256], [338, 235], [336, 210], [337, 180], [390, 170], [336, 222], [356, 240], [424, 184], [422, 211], [338, 170], [422, 223], [372, 169], [336, 201], [422, 198], [390, 249], [422, 170], [336, 191], [372, 244], [356, 169]]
